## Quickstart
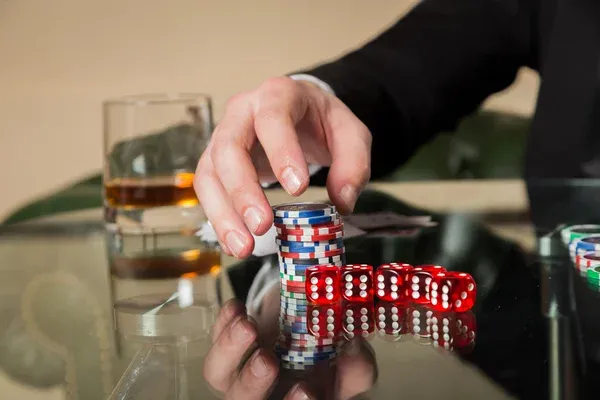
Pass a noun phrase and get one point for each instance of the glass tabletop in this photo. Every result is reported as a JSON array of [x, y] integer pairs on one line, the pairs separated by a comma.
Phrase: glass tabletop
[[535, 324]]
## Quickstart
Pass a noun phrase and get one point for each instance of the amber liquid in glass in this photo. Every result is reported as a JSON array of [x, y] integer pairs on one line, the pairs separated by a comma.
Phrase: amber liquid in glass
[[174, 190], [167, 264]]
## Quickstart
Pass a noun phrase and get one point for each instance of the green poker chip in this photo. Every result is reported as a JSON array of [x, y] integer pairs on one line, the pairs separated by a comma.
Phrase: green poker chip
[[593, 273], [292, 295], [292, 278]]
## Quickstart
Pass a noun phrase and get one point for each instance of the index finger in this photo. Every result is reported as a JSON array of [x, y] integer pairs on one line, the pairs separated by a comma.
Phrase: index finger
[[279, 106]]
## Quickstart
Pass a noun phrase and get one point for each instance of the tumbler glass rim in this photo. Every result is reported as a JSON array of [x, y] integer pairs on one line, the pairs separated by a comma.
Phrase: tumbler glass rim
[[145, 99]]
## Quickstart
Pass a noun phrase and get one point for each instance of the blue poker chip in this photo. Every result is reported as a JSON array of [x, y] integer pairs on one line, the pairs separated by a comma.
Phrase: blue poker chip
[[293, 311], [298, 305], [302, 245], [314, 249], [591, 243], [299, 328], [303, 210], [334, 219]]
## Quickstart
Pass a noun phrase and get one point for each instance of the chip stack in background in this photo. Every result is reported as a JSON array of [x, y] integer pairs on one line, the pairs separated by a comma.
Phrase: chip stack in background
[[308, 234], [575, 232]]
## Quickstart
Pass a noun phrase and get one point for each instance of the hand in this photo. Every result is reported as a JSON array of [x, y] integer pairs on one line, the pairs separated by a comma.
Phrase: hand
[[270, 134], [234, 337]]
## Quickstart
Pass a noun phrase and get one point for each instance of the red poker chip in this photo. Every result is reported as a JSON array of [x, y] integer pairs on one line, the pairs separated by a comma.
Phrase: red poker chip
[[309, 229], [293, 289], [331, 226], [300, 237], [291, 284], [306, 256]]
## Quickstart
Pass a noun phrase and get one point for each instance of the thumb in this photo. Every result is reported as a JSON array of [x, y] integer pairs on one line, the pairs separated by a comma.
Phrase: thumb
[[349, 142]]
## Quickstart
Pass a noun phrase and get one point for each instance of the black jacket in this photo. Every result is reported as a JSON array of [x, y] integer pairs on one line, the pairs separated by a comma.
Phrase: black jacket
[[439, 63]]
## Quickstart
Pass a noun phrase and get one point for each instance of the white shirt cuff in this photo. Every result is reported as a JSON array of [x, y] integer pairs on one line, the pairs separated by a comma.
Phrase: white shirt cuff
[[314, 80]]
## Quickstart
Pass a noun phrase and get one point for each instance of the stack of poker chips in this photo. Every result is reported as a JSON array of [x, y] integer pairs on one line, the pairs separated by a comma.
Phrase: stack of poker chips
[[308, 234], [584, 248], [576, 232]]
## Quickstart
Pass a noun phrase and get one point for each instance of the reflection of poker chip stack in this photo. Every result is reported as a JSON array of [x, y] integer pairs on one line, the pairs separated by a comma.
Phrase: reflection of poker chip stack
[[307, 234]]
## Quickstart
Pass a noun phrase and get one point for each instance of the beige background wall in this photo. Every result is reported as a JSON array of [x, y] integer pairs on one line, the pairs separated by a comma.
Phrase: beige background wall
[[59, 59]]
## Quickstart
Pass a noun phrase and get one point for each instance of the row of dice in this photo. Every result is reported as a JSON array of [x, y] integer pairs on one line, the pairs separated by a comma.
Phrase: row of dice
[[447, 330], [399, 283]]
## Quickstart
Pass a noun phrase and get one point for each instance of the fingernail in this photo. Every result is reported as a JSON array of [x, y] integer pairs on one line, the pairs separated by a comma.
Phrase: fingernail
[[258, 366], [292, 180], [348, 195], [253, 219], [232, 306], [239, 331], [298, 393], [235, 242]]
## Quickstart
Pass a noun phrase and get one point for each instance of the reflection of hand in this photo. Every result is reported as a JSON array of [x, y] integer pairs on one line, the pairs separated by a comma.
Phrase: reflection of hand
[[234, 337], [269, 134]]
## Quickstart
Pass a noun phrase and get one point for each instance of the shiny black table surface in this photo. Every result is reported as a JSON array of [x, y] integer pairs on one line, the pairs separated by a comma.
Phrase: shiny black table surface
[[536, 320]]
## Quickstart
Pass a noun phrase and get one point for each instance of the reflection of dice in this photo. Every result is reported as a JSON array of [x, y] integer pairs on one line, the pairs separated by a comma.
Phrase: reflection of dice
[[453, 331], [357, 319], [390, 318], [465, 329], [322, 284], [390, 281], [418, 319], [418, 280], [324, 321], [452, 291], [357, 283]]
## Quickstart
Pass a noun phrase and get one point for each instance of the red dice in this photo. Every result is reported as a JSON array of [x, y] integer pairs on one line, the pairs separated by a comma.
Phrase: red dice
[[322, 284], [357, 319], [452, 291], [418, 280], [357, 282], [390, 281], [390, 318], [324, 321]]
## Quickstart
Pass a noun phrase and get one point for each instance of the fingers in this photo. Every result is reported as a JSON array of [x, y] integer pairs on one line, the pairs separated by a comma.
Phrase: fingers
[[299, 392], [357, 369], [226, 354], [349, 142], [231, 231], [280, 104], [231, 309], [230, 153], [255, 379]]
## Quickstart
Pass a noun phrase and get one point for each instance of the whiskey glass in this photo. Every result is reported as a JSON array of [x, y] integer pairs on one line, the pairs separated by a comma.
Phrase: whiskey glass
[[154, 223]]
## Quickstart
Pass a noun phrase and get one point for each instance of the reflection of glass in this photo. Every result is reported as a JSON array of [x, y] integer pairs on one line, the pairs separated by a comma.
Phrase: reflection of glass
[[164, 339]]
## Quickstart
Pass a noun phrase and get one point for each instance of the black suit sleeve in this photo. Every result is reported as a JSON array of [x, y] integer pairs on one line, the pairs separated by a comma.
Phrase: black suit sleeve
[[434, 66]]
